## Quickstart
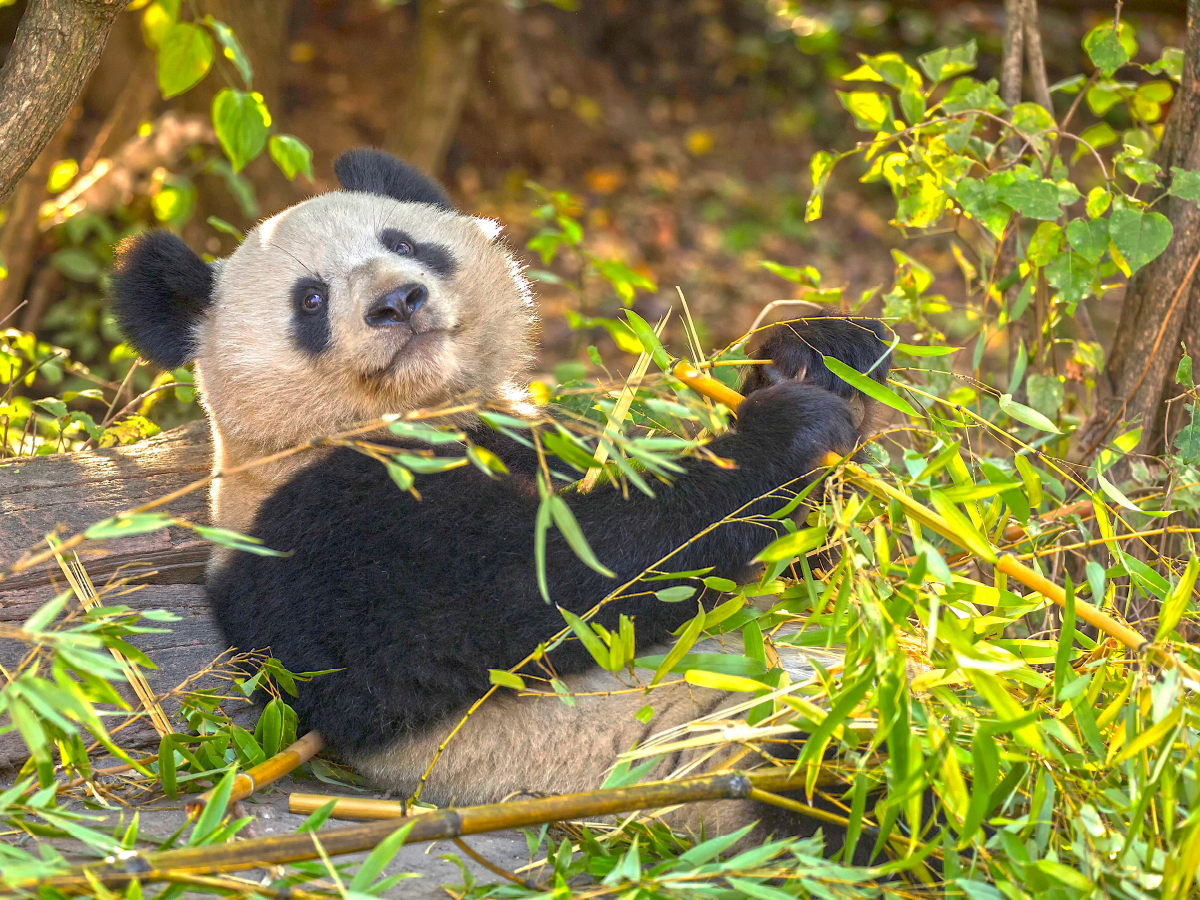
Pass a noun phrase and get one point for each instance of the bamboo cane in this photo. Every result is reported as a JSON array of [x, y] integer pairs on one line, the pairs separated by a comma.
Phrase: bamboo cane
[[1005, 563], [286, 760], [118, 871]]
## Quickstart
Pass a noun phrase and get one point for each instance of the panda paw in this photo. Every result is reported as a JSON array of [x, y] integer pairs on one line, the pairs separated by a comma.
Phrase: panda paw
[[796, 349], [802, 419]]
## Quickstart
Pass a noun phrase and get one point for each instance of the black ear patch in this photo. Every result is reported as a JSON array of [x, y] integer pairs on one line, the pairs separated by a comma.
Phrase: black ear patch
[[376, 172], [160, 289]]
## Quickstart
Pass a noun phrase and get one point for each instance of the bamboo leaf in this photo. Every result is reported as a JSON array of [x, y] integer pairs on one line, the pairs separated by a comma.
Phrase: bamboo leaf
[[214, 810], [567, 524], [868, 386], [506, 679], [682, 646], [383, 854], [964, 530], [1025, 415], [1178, 600], [588, 637]]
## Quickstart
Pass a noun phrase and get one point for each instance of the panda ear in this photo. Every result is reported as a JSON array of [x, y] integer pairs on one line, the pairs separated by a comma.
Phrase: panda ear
[[160, 290], [376, 172]]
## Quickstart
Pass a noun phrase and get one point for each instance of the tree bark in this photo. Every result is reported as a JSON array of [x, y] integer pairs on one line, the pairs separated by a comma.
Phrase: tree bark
[[450, 32], [57, 45], [19, 244], [1164, 294]]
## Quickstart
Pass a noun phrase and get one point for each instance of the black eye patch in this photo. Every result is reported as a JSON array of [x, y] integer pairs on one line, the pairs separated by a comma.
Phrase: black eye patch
[[435, 257], [310, 315]]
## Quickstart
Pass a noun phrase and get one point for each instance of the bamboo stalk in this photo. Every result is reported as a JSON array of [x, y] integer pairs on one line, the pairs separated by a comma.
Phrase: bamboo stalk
[[438, 825], [351, 807], [1005, 563], [286, 760]]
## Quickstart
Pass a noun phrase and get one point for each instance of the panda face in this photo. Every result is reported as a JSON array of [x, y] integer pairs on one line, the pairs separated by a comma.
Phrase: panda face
[[351, 305]]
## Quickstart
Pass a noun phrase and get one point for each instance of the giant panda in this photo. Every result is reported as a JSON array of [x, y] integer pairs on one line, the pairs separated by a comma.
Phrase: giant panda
[[379, 298]]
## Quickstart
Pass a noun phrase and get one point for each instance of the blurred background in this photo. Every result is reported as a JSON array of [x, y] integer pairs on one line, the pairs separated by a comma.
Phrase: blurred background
[[674, 136]]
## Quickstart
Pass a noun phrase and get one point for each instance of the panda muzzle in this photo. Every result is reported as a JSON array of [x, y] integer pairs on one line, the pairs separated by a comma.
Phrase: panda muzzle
[[397, 306]]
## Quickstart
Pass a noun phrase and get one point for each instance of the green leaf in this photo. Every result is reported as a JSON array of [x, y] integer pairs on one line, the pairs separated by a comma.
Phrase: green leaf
[[649, 340], [1185, 184], [506, 679], [966, 534], [565, 520], [1170, 64], [1098, 136], [806, 275], [819, 170], [214, 809], [912, 104], [1187, 442], [166, 765], [1089, 238], [1115, 494], [1071, 275], [871, 111], [625, 281], [868, 386], [946, 62], [317, 818], [1098, 200], [676, 594], [980, 200], [924, 350], [233, 49], [799, 543], [1024, 414], [235, 541], [241, 122], [291, 155], [76, 264], [1036, 198], [588, 637], [126, 525], [1138, 235], [1105, 48], [1066, 644], [185, 55], [1046, 393], [385, 851], [690, 632], [1178, 600], [1183, 373]]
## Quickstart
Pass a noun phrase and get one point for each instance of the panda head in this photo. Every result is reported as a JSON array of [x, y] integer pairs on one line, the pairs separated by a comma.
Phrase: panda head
[[376, 298]]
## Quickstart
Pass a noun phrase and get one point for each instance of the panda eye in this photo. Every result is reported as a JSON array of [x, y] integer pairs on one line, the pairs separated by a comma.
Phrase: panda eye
[[312, 301], [404, 248]]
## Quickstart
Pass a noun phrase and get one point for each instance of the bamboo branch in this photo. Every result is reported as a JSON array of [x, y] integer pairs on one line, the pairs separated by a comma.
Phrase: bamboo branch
[[927, 517], [438, 825], [283, 762]]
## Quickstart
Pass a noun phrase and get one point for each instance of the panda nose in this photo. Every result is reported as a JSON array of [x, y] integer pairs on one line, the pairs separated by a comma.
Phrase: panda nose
[[397, 306]]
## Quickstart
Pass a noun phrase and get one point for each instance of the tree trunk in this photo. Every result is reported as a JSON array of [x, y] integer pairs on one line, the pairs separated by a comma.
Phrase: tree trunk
[[57, 45], [1165, 294], [19, 239], [449, 37]]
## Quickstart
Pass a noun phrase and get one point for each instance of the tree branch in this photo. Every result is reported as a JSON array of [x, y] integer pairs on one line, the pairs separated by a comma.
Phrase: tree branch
[[57, 45]]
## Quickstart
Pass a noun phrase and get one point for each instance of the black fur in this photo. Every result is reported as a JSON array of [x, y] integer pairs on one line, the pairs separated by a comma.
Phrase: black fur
[[311, 331], [437, 258], [799, 345], [415, 601], [160, 289], [376, 172]]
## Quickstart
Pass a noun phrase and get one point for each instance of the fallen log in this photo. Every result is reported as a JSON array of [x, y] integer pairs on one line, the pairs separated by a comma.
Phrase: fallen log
[[65, 494]]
